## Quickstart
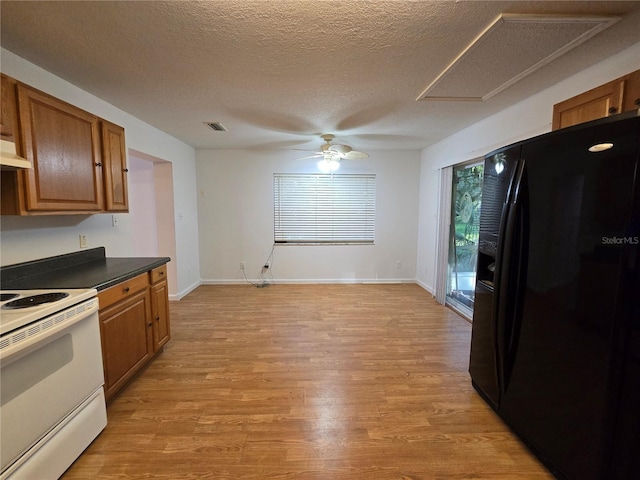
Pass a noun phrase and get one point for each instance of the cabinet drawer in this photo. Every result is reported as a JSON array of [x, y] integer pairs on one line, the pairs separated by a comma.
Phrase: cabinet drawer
[[159, 273], [122, 290]]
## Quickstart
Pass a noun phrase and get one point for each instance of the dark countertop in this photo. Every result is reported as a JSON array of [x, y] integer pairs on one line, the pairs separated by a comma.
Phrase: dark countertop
[[84, 269]]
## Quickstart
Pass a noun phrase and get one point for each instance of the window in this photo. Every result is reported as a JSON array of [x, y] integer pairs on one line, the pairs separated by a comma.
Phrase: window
[[316, 208]]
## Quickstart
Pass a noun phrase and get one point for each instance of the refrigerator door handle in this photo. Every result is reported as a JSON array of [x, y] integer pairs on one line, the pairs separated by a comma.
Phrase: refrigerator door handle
[[517, 275], [509, 280], [500, 283]]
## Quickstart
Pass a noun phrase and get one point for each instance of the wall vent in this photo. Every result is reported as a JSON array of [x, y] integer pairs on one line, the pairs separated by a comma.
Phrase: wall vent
[[508, 50], [216, 126]]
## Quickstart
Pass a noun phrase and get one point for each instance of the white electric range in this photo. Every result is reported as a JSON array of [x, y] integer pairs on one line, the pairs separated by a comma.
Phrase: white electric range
[[20, 307], [51, 379]]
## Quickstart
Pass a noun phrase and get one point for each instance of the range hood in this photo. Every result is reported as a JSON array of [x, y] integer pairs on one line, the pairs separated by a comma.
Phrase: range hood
[[9, 159]]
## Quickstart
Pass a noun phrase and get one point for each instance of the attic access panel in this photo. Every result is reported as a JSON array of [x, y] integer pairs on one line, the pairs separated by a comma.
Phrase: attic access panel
[[511, 48]]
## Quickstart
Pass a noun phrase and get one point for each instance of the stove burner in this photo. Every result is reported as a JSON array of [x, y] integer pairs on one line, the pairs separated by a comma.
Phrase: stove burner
[[7, 296], [34, 300]]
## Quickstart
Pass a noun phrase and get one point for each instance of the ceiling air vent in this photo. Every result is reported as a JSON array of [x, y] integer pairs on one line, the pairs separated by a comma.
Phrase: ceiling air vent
[[508, 50], [216, 126]]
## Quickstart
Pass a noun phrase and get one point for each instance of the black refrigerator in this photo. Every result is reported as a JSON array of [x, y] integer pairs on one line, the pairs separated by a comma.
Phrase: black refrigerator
[[555, 346]]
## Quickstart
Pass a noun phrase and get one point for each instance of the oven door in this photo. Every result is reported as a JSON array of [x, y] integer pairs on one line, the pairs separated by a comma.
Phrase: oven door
[[48, 369]]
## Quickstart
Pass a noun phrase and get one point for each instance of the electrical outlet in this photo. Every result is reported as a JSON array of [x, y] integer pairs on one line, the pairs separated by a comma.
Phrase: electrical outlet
[[398, 264], [243, 264], [83, 241], [114, 220]]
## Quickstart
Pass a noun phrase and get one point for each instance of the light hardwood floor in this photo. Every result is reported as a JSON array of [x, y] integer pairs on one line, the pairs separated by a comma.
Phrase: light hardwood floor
[[308, 382]]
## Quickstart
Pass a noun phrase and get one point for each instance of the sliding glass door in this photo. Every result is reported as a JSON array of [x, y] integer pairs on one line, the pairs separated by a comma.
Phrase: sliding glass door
[[463, 236]]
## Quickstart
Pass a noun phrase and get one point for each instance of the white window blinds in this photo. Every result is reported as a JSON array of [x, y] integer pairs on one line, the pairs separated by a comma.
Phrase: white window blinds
[[315, 208]]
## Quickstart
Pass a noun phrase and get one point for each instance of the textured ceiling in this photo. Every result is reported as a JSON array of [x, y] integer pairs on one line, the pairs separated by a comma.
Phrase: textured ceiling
[[517, 39], [279, 73]]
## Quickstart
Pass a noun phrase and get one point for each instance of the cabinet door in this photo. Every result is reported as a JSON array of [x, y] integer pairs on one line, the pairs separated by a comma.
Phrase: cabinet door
[[62, 143], [160, 311], [127, 340], [600, 102], [632, 92], [8, 110], [115, 170]]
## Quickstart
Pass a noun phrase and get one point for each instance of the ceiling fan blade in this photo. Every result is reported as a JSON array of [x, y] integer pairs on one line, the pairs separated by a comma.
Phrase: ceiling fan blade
[[335, 152], [317, 155], [355, 155], [340, 149]]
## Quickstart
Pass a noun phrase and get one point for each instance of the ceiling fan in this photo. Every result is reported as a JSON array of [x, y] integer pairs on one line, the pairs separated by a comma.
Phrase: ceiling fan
[[331, 154]]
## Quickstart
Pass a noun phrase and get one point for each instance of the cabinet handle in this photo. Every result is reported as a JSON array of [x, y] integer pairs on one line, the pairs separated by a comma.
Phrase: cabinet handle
[[158, 318], [125, 170], [149, 324], [98, 164], [126, 290], [161, 273], [613, 110], [637, 102]]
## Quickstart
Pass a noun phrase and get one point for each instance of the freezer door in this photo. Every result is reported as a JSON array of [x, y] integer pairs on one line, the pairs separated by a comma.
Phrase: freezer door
[[483, 358], [563, 359], [499, 172]]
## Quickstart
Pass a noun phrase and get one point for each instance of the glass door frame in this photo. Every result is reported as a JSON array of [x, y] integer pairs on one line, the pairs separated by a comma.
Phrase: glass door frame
[[471, 212]]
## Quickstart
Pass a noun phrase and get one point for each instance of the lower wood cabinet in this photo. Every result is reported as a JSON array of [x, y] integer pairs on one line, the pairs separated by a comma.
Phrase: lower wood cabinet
[[160, 307], [134, 326], [126, 340]]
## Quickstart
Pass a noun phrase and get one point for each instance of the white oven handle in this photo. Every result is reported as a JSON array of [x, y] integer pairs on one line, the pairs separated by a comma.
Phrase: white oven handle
[[20, 340]]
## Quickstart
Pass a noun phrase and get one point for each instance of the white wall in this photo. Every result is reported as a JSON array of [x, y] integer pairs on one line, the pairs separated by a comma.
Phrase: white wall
[[235, 205], [142, 207], [28, 238], [526, 119]]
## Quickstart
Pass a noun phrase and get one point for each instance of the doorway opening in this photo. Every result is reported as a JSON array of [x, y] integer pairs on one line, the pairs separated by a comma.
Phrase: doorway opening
[[152, 211]]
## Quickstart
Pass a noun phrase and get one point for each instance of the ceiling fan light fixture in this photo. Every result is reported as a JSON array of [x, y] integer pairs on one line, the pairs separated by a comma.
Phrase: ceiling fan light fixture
[[328, 165], [331, 154]]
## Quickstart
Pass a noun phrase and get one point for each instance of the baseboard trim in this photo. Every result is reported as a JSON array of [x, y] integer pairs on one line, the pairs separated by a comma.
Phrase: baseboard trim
[[426, 287], [185, 292], [283, 281]]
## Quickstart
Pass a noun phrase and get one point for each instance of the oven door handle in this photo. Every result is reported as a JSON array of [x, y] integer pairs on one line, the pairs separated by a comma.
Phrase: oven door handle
[[19, 342]]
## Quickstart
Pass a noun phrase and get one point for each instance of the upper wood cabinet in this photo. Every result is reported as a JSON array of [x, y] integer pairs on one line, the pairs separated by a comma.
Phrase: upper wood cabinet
[[114, 160], [617, 96], [632, 92], [8, 110], [79, 160], [63, 144]]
